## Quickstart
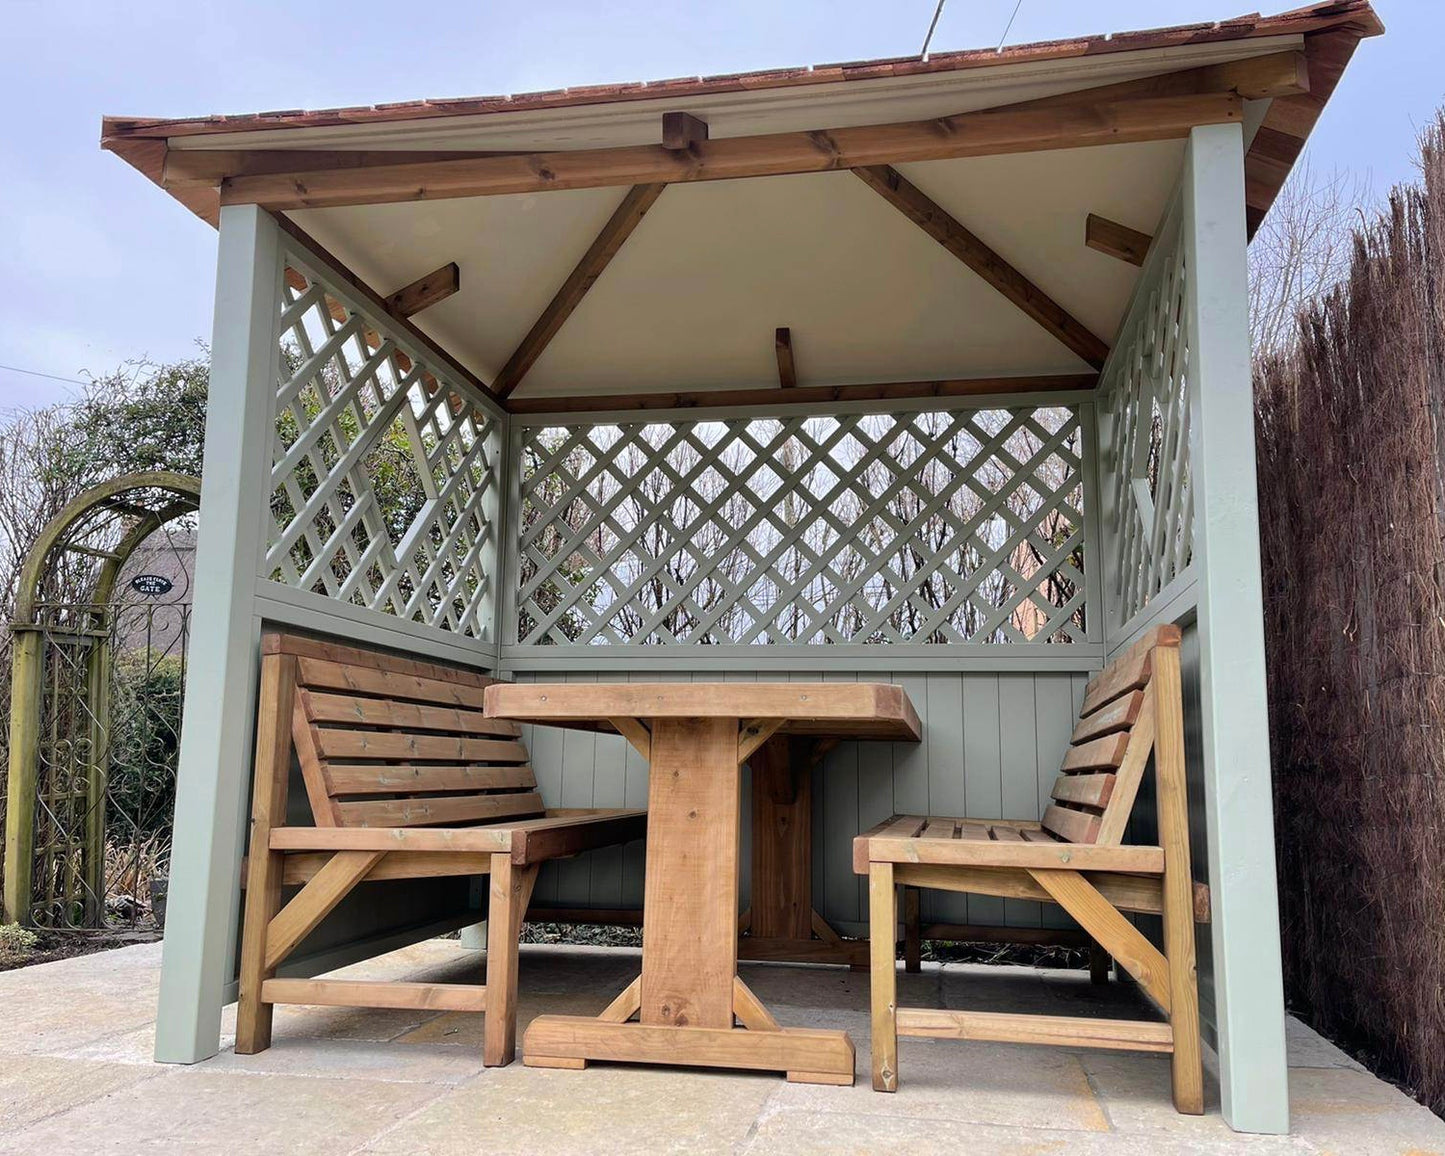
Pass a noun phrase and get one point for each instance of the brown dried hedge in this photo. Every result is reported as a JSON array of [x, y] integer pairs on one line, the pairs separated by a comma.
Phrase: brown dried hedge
[[1351, 439]]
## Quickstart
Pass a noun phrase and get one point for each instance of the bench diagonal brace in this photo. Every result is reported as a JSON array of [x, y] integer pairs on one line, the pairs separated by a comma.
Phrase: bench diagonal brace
[[315, 901], [1101, 919]]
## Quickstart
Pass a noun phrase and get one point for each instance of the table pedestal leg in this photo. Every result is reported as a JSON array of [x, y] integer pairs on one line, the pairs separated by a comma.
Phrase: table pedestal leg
[[689, 993], [781, 923]]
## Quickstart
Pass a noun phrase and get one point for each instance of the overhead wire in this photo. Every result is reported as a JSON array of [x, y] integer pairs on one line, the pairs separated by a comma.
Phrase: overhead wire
[[37, 373], [932, 24], [938, 11], [1010, 24]]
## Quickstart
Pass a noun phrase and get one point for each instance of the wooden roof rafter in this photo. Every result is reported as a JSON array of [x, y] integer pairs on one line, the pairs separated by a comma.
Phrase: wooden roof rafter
[[936, 221], [625, 218], [1116, 240], [384, 308]]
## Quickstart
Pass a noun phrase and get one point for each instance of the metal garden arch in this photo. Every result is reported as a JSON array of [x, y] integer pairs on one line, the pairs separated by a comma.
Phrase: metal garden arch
[[84, 547]]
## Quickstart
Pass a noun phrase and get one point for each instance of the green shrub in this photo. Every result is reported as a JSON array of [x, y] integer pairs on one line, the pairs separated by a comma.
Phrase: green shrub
[[144, 744], [16, 940]]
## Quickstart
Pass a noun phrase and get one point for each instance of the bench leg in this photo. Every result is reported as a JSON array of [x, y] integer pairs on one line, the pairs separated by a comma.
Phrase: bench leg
[[511, 890], [1099, 961], [882, 938], [263, 880], [912, 930], [1178, 883], [263, 900]]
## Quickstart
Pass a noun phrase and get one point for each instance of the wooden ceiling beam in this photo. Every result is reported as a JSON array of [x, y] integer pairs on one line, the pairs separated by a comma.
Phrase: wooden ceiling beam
[[1083, 122], [426, 291], [806, 394], [619, 227], [783, 346], [212, 166], [1259, 77], [935, 220], [1116, 240]]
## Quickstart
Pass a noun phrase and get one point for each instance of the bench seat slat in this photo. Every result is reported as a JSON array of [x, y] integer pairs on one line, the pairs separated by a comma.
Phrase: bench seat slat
[[1119, 715], [528, 840], [1130, 858], [385, 712], [435, 809], [1131, 671], [1097, 755], [333, 742], [414, 778], [899, 827], [350, 678], [1070, 825], [1086, 790]]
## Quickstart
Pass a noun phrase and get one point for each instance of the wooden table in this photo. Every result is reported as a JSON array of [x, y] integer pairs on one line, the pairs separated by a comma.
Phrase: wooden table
[[696, 736]]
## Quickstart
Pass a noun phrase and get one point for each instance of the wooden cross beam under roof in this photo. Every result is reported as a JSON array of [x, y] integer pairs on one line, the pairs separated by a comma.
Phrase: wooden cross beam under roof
[[1082, 121]]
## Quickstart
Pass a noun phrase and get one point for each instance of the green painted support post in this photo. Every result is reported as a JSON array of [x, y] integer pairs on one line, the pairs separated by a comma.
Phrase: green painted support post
[[1238, 801], [217, 734]]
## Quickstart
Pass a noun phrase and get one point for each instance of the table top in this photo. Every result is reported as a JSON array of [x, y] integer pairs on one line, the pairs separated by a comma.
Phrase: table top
[[863, 710]]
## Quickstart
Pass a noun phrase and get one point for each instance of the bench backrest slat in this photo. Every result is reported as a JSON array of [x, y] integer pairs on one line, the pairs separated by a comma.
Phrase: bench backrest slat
[[1110, 748], [389, 741]]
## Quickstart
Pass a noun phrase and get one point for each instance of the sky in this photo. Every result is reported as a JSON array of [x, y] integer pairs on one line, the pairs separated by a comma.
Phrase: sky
[[100, 267]]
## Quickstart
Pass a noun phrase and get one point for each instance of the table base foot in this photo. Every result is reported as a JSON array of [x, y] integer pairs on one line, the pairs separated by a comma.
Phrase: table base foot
[[806, 1055], [567, 1062], [841, 1080]]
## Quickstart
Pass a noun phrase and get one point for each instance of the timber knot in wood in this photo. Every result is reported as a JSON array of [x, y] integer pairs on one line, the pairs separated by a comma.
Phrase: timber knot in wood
[[823, 141]]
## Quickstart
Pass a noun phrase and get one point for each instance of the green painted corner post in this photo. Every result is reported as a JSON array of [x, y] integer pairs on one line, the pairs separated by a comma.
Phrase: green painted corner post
[[217, 732], [1239, 805], [20, 782]]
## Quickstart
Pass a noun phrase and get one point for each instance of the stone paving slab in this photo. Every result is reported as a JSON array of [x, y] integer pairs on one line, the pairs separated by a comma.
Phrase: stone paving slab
[[76, 1075]]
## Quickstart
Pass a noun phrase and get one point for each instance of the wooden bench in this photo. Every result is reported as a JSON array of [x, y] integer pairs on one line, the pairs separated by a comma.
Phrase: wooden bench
[[406, 779], [1076, 857]]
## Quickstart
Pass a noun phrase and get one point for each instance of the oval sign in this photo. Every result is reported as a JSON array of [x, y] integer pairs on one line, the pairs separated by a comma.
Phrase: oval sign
[[151, 585]]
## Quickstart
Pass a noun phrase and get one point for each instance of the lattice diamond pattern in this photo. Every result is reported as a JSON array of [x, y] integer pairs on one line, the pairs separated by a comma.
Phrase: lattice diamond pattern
[[911, 527], [385, 474], [1149, 508]]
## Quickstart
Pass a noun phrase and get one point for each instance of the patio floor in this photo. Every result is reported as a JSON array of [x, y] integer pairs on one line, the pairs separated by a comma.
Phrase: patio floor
[[76, 1076]]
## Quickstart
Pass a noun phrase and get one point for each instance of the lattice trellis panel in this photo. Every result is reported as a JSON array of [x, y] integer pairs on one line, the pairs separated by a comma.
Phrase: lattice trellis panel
[[385, 480], [1148, 504], [933, 527]]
